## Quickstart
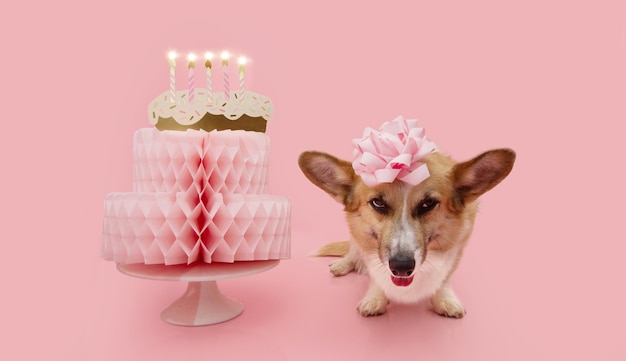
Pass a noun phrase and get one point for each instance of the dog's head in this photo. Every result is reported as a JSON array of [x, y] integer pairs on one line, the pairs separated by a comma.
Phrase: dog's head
[[401, 222]]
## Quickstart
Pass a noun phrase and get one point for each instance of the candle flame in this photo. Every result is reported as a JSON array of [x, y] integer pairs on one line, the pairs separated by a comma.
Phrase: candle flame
[[172, 55], [225, 55], [208, 55], [242, 60], [192, 58]]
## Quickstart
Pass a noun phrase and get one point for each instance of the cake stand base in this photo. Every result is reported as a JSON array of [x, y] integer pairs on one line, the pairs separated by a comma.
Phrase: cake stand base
[[202, 303]]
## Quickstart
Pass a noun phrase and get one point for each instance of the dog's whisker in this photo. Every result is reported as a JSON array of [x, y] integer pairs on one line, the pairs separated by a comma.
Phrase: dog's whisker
[[438, 238], [433, 268]]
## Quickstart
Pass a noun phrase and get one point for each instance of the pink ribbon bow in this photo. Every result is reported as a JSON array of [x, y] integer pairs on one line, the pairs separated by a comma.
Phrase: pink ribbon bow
[[393, 152]]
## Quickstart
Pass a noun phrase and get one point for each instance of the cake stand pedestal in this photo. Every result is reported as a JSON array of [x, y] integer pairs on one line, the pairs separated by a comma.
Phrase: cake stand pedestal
[[202, 303]]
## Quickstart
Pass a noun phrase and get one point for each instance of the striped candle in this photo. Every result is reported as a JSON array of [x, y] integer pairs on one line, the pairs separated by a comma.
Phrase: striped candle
[[192, 86], [209, 78], [172, 63], [242, 68], [225, 57]]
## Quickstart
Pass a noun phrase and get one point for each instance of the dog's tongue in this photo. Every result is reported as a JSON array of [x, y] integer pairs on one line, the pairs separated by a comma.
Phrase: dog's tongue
[[401, 281]]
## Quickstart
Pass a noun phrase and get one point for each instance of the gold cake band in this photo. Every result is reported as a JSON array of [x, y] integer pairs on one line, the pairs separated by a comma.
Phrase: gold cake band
[[211, 122]]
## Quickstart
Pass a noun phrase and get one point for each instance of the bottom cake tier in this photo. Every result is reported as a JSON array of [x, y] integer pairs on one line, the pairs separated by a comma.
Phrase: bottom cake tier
[[175, 228]]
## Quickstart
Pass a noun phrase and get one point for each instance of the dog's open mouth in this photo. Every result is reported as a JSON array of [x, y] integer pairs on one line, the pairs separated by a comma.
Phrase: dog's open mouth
[[401, 281]]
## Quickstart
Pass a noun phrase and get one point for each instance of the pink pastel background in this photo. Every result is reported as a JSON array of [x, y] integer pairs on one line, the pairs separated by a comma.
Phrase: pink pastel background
[[543, 275]]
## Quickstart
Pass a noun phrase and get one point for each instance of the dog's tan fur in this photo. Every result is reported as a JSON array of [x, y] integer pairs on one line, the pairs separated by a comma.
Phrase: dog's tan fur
[[392, 223]]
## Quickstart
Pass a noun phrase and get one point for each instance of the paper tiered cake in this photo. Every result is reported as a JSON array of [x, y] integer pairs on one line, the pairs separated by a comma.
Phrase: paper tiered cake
[[200, 187]]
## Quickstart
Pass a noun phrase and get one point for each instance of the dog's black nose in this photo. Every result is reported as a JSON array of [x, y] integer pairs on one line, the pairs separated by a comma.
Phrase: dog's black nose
[[402, 266]]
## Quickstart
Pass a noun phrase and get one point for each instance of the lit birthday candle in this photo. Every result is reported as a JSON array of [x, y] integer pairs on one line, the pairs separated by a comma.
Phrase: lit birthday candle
[[172, 62], [242, 69], [209, 78], [225, 57], [192, 86]]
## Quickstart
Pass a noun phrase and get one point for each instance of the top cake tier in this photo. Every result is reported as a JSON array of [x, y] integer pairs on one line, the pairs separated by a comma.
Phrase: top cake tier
[[242, 110]]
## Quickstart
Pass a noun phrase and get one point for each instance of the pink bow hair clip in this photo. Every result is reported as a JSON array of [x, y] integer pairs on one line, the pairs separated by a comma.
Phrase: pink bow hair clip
[[393, 152]]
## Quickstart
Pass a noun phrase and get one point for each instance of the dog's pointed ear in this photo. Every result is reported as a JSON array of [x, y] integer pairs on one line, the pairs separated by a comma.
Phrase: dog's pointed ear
[[333, 175], [482, 173]]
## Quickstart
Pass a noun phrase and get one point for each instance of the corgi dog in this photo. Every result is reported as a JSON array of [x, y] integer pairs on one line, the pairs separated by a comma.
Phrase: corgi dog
[[408, 238]]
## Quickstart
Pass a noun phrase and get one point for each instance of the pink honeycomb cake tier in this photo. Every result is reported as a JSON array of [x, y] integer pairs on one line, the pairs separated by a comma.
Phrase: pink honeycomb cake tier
[[225, 161], [175, 228]]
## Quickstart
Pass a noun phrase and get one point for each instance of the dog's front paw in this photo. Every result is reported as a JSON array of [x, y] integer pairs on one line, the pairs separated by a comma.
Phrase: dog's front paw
[[372, 306], [450, 308], [342, 267], [445, 303]]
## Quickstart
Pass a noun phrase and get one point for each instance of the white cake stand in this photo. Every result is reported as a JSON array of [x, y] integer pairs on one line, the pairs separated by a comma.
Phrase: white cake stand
[[203, 303]]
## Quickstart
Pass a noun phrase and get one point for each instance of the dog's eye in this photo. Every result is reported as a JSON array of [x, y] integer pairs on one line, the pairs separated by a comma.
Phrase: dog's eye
[[426, 205], [379, 205]]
